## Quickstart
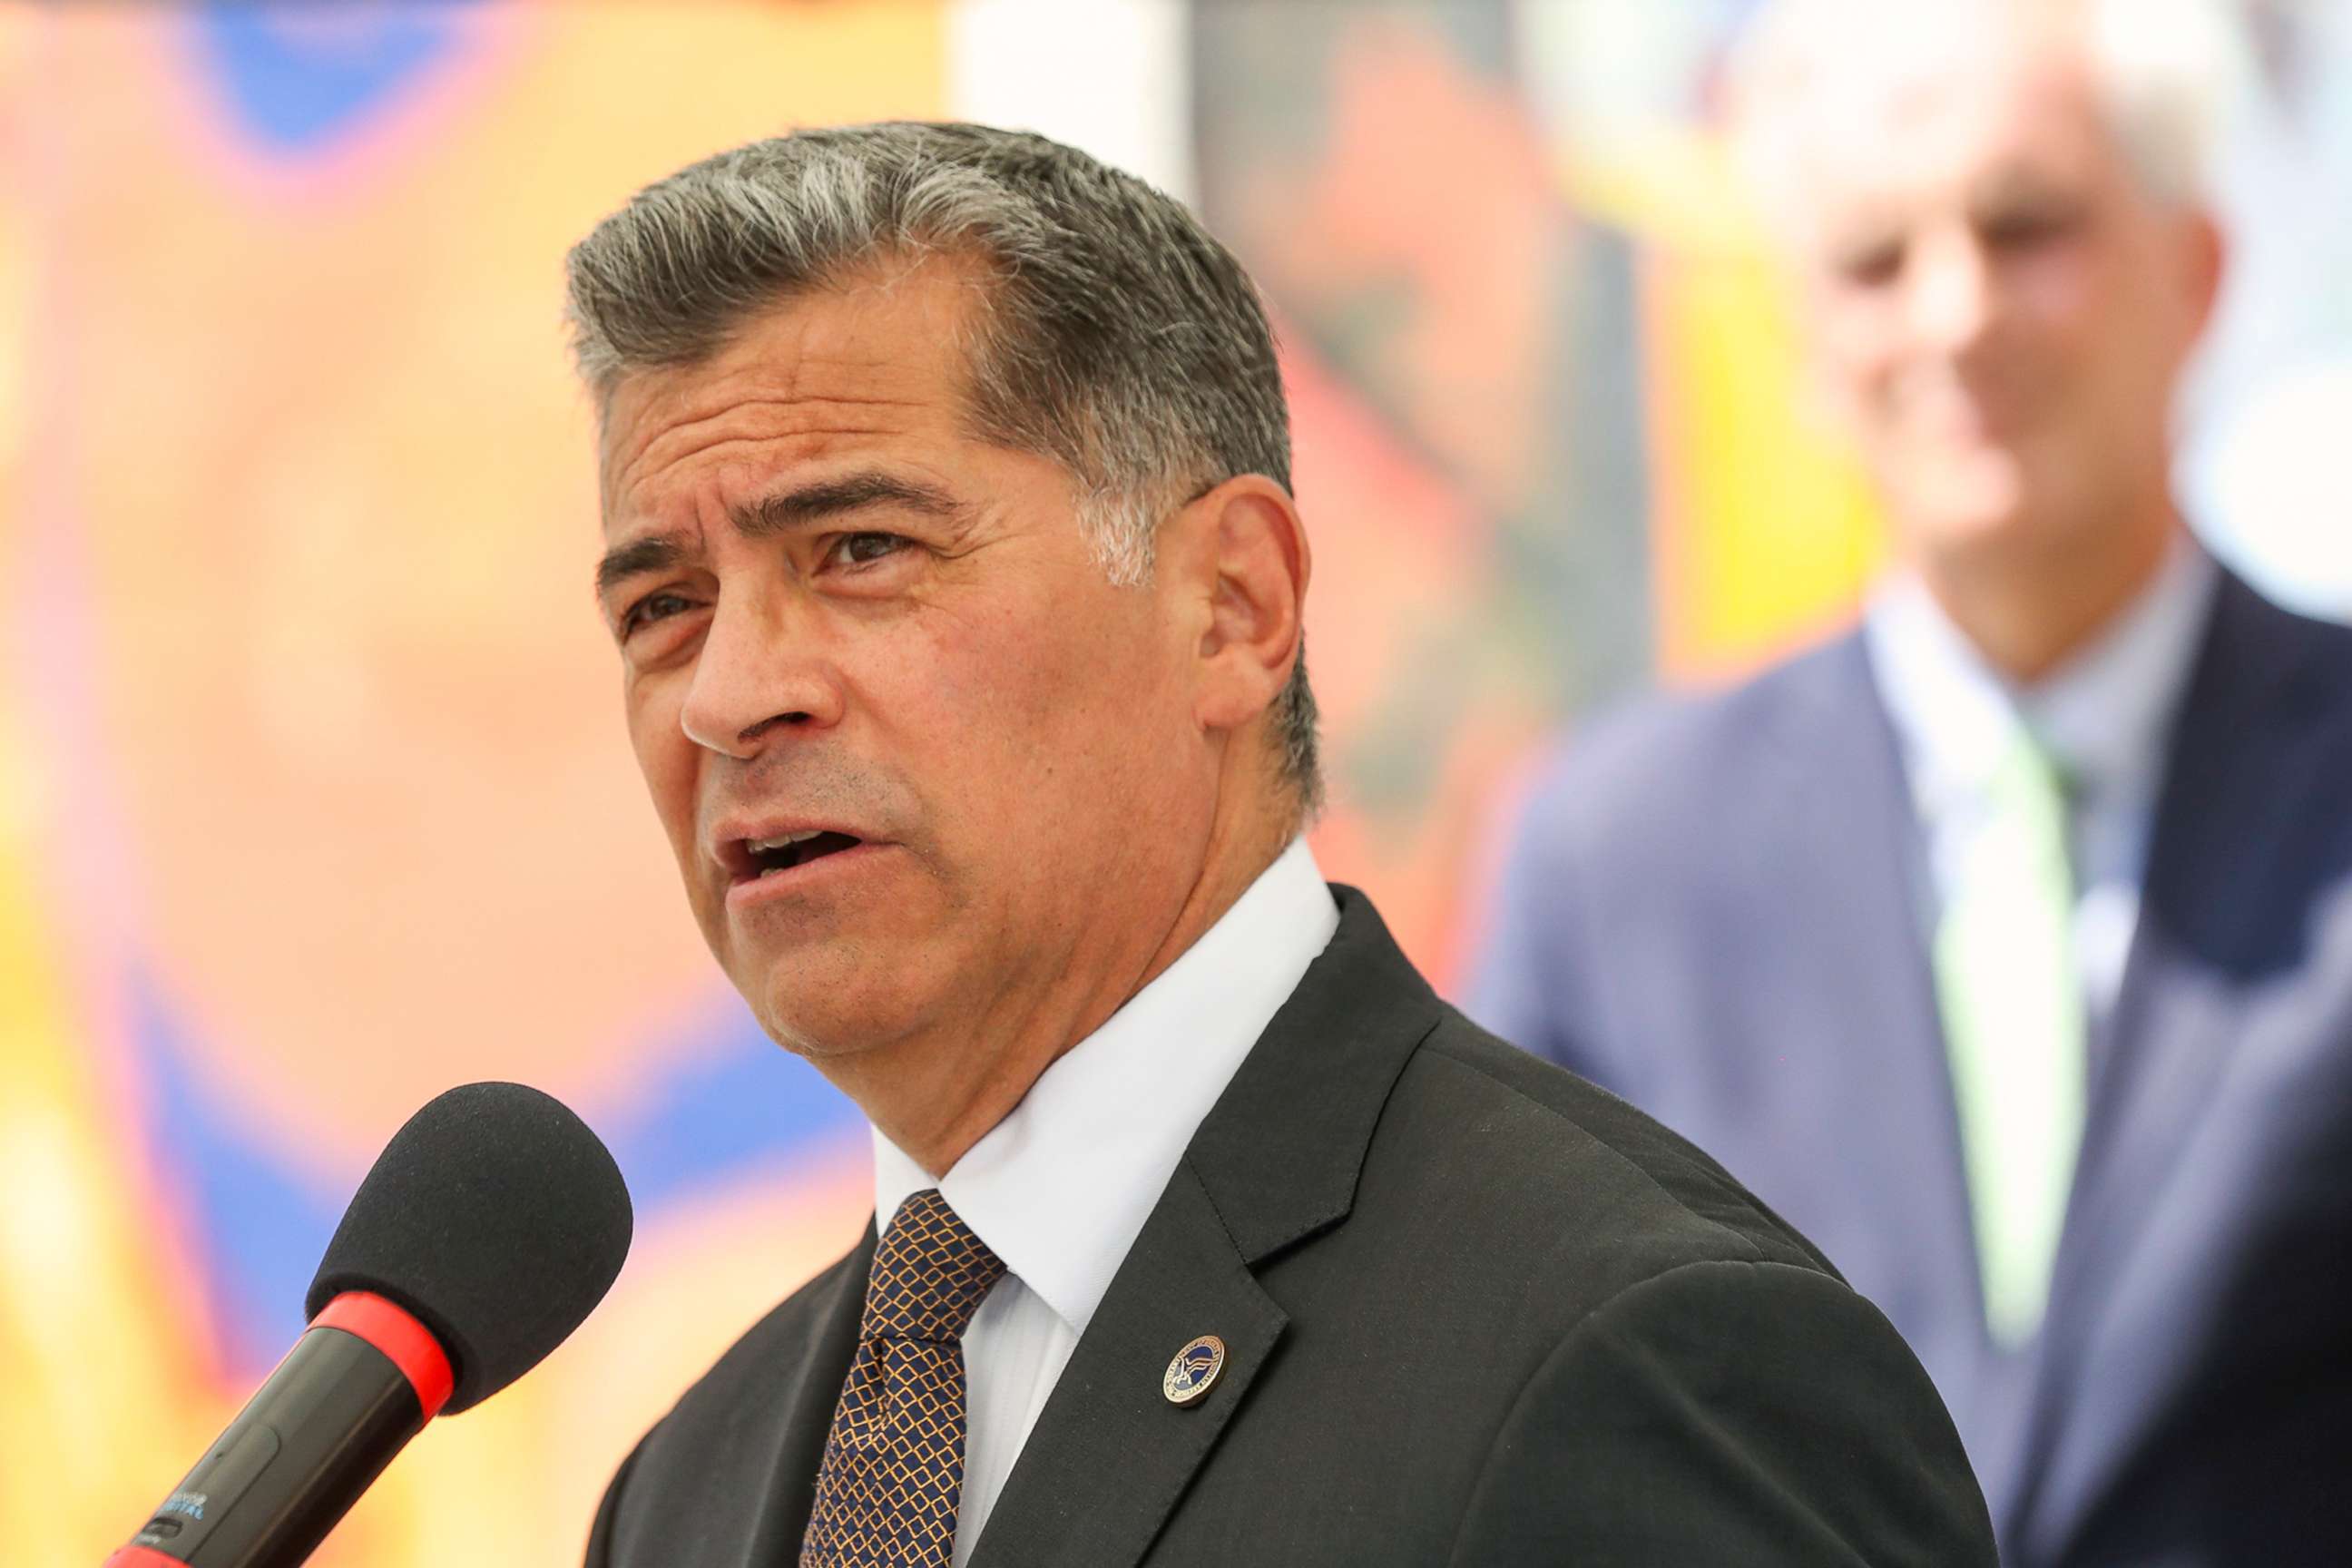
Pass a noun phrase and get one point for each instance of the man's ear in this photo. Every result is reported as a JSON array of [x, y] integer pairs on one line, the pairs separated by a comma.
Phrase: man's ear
[[2206, 255], [1240, 553]]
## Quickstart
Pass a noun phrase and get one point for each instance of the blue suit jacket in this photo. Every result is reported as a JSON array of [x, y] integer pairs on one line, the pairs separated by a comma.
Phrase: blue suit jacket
[[1712, 909]]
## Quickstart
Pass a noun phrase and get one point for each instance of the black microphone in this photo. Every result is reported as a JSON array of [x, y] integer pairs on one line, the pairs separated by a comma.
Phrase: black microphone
[[488, 1230]]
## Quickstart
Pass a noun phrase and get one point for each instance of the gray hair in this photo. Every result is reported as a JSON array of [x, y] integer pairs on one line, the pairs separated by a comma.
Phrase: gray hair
[[1119, 338], [2166, 71]]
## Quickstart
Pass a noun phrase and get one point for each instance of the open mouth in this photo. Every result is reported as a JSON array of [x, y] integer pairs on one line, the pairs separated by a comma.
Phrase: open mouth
[[765, 856]]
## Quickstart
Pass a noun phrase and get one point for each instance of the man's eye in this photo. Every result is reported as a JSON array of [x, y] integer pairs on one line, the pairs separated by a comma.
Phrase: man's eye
[[863, 548], [654, 607], [1870, 265], [2026, 229]]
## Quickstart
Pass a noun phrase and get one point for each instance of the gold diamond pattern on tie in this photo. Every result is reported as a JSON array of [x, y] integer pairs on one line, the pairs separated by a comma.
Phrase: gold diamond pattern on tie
[[893, 1472]]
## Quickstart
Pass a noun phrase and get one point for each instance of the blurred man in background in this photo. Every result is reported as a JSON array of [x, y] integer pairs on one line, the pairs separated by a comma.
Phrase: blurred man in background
[[2005, 944]]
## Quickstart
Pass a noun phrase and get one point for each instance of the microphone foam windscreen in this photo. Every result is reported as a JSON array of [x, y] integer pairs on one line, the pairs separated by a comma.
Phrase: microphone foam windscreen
[[497, 1218]]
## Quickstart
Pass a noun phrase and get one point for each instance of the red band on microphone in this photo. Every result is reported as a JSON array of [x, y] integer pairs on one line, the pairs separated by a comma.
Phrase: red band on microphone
[[407, 1343], [142, 1557]]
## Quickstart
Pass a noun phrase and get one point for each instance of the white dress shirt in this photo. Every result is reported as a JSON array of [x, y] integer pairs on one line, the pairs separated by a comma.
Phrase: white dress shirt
[[1060, 1188], [2104, 717]]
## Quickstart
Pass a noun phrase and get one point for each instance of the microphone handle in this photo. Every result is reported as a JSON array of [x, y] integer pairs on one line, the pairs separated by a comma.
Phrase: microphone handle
[[298, 1457]]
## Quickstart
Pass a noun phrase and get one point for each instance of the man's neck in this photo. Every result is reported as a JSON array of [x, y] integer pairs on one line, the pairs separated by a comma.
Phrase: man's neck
[[934, 1102], [2027, 616]]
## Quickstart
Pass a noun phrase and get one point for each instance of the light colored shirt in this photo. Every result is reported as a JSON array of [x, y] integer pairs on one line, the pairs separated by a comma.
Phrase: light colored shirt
[[1060, 1187], [2105, 717]]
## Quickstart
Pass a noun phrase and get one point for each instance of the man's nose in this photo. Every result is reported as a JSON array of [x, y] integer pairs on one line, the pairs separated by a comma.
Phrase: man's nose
[[1951, 298], [765, 667]]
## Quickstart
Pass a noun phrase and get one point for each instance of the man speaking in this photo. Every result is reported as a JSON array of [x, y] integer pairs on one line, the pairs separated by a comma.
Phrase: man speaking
[[957, 583]]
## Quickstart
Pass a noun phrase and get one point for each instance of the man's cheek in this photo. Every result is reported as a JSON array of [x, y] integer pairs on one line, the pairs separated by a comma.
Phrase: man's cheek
[[668, 764]]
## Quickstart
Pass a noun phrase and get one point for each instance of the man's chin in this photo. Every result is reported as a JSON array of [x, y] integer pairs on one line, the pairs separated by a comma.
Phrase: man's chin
[[829, 1007], [1966, 510], [820, 1041]]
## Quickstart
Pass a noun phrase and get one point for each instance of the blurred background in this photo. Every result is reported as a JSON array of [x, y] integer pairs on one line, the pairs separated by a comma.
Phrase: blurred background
[[314, 797]]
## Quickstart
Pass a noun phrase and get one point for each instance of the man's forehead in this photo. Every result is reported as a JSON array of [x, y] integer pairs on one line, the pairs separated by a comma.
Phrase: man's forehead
[[1961, 126], [831, 368], [1842, 82]]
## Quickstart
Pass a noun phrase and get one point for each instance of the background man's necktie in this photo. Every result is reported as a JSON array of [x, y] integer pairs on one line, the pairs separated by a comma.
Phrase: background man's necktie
[[893, 1470], [2011, 1000]]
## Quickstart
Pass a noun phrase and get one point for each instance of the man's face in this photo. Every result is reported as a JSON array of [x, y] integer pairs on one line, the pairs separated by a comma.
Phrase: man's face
[[923, 766], [1997, 310]]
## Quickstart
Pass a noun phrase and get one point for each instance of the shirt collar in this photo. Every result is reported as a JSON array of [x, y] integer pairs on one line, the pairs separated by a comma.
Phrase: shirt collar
[[2102, 715], [1060, 1187]]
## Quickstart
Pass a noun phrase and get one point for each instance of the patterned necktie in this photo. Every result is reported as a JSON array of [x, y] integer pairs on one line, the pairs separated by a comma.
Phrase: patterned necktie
[[893, 1470], [2011, 999]]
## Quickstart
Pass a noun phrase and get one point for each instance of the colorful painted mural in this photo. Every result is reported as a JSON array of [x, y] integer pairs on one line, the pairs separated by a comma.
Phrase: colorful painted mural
[[313, 794]]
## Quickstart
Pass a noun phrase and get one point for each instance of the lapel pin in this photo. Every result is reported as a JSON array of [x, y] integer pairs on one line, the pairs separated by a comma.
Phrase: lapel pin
[[1195, 1367]]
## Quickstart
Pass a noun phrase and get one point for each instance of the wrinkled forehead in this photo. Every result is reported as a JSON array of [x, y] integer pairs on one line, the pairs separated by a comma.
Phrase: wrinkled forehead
[[878, 353]]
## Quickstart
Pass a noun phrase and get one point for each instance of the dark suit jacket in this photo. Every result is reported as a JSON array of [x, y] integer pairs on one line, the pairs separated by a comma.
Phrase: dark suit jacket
[[1478, 1311], [1714, 909]]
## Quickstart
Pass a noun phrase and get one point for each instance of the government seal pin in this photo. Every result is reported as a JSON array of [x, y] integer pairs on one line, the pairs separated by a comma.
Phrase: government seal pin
[[1195, 1367]]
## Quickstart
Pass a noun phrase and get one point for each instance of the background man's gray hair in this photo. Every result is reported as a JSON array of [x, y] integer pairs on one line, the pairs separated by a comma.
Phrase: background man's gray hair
[[1117, 337], [2168, 72]]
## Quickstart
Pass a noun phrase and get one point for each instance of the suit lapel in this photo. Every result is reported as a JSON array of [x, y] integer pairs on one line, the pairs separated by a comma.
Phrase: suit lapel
[[1110, 1454], [805, 1417], [2221, 829], [1274, 1163], [1849, 879], [2222, 848]]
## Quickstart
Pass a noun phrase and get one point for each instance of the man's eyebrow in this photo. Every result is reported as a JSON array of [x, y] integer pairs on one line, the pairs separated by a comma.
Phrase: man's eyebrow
[[800, 507], [806, 504], [623, 561]]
